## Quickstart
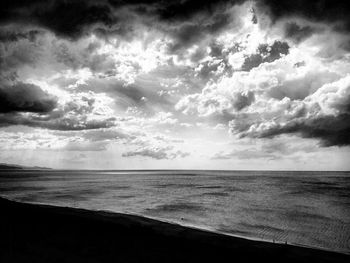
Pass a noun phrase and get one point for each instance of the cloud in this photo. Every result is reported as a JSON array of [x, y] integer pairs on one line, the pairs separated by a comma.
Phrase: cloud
[[198, 29], [265, 53], [155, 145], [149, 75], [109, 134], [17, 49], [279, 148], [250, 153], [12, 35], [324, 115], [182, 10], [213, 102], [26, 138], [85, 146], [280, 96], [315, 10], [73, 19], [61, 124], [65, 18], [331, 130], [24, 97], [298, 32], [82, 111], [156, 152]]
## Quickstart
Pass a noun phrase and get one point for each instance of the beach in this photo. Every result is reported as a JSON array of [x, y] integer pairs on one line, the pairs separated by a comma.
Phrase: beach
[[43, 233]]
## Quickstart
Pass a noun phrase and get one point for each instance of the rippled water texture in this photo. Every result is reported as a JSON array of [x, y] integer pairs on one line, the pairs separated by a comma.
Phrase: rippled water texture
[[306, 208]]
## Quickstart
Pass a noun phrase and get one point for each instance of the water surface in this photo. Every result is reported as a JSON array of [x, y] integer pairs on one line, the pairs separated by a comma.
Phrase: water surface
[[305, 208]]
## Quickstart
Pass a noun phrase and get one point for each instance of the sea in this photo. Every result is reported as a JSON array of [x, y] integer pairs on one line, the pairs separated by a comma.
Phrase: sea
[[309, 209]]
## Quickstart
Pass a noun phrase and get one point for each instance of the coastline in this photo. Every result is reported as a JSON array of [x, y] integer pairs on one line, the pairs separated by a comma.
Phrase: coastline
[[45, 233]]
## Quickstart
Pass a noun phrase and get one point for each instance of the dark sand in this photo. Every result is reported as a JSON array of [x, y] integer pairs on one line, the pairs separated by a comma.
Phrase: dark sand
[[40, 233]]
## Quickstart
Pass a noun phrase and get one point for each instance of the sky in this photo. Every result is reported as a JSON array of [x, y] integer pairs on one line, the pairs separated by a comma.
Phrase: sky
[[138, 84]]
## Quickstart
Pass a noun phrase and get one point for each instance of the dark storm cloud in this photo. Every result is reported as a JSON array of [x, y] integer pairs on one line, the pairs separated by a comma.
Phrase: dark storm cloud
[[265, 53], [72, 18], [329, 129], [323, 115], [54, 123], [191, 33], [316, 10], [14, 56], [23, 97], [27, 104], [65, 18], [298, 32], [84, 56], [182, 10], [11, 36]]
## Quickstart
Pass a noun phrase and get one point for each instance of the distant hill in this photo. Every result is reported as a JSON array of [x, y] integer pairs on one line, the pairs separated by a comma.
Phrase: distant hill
[[5, 166]]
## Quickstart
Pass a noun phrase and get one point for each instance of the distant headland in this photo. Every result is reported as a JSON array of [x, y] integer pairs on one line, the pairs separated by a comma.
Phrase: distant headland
[[6, 166]]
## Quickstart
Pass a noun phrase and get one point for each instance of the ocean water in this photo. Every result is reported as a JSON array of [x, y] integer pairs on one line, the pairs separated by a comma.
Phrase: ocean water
[[303, 208]]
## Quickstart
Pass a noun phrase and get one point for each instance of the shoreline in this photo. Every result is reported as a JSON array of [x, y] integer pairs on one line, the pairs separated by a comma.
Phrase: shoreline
[[26, 225], [179, 223]]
